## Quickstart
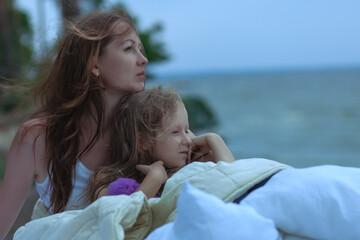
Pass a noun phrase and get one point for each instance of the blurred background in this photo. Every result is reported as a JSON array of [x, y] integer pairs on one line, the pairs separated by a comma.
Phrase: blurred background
[[277, 79]]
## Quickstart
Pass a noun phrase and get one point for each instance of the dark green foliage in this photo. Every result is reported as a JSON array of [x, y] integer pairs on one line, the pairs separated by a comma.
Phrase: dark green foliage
[[15, 41], [2, 166], [10, 100], [15, 53], [155, 50], [201, 116]]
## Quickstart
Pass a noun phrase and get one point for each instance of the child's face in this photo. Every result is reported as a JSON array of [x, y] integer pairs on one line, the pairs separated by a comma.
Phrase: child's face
[[173, 144]]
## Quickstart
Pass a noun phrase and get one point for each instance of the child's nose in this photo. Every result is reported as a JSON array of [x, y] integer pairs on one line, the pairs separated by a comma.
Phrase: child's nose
[[186, 139]]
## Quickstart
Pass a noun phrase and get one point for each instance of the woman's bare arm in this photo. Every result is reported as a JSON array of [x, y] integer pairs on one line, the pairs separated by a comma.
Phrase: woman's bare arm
[[19, 175]]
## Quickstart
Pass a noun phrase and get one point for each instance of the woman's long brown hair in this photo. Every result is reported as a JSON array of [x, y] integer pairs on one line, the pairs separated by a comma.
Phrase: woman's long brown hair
[[137, 121], [70, 90]]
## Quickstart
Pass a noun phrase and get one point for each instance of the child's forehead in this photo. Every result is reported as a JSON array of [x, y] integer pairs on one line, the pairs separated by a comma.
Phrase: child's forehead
[[180, 110], [178, 118]]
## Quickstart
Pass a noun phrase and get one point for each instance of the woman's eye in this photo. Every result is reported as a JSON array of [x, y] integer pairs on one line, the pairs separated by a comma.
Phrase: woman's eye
[[142, 50], [128, 49]]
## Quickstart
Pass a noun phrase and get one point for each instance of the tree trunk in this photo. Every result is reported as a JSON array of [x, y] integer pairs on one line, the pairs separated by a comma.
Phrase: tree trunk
[[6, 56]]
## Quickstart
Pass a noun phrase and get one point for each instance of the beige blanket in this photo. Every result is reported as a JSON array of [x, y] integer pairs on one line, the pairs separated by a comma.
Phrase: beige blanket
[[134, 217]]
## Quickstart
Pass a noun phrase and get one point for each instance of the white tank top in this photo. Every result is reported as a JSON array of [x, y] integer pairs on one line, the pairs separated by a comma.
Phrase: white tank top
[[77, 198]]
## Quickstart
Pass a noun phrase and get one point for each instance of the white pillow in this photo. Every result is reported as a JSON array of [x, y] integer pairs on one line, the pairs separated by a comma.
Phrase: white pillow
[[204, 216], [320, 202]]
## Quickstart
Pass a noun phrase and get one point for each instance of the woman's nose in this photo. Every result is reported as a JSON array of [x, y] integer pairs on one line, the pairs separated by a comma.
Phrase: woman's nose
[[142, 60]]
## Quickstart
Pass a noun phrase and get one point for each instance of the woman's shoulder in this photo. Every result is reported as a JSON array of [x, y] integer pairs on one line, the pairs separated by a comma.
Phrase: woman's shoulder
[[28, 148], [31, 130], [34, 122]]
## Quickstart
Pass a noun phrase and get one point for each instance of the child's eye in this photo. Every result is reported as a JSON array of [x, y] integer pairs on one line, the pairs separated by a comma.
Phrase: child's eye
[[175, 132]]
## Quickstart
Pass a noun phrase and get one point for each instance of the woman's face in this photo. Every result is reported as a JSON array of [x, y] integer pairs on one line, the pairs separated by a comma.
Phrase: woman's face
[[122, 64], [173, 144]]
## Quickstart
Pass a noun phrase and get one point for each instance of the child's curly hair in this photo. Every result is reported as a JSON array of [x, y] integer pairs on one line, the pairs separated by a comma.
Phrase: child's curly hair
[[138, 120]]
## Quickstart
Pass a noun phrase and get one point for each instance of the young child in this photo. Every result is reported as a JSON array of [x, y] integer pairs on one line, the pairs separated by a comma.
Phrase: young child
[[152, 131]]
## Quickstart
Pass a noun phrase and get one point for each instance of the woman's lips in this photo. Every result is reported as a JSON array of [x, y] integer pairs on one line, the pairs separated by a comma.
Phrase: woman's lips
[[142, 73]]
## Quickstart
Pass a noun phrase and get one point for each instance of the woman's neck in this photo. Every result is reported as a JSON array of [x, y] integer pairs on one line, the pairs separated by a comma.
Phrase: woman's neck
[[111, 98], [90, 128]]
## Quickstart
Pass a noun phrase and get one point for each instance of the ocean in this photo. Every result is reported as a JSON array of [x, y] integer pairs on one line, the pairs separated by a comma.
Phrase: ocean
[[303, 118]]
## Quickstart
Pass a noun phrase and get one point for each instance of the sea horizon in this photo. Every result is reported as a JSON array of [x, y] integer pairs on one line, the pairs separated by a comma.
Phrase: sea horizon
[[302, 118], [175, 75]]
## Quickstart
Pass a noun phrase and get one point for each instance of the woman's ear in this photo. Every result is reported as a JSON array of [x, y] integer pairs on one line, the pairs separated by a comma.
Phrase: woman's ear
[[95, 71]]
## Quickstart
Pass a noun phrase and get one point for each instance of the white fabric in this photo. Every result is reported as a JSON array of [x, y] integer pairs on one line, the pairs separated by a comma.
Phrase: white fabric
[[320, 202], [76, 200], [204, 216], [224, 180], [138, 218], [313, 203], [109, 217]]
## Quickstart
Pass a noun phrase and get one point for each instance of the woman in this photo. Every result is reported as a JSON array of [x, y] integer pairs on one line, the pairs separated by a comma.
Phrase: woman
[[99, 61]]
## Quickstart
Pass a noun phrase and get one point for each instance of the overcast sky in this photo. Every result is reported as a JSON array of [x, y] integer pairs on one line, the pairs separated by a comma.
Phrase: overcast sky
[[239, 35]]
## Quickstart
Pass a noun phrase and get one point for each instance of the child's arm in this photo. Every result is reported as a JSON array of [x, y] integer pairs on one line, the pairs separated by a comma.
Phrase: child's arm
[[212, 144], [156, 176], [102, 192]]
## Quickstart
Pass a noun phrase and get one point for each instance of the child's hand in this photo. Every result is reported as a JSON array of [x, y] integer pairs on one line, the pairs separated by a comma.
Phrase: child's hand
[[155, 171], [155, 177], [210, 147], [201, 150]]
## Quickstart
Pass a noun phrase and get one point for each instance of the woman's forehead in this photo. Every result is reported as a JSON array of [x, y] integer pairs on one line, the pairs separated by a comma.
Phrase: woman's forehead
[[122, 28]]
